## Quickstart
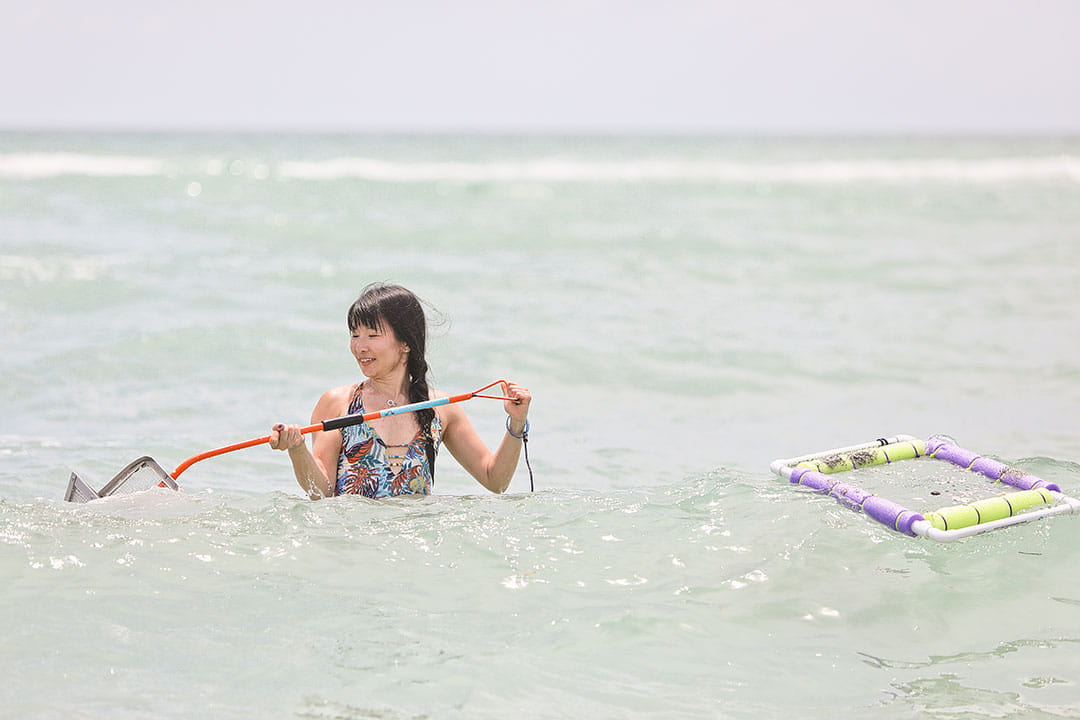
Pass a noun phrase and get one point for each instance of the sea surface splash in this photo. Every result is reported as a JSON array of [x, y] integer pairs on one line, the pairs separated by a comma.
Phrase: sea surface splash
[[685, 311]]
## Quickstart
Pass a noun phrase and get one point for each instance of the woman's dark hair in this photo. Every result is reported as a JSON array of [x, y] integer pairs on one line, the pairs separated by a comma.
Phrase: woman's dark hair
[[380, 305]]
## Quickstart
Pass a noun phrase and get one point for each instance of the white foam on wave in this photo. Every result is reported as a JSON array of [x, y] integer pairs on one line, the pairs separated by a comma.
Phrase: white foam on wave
[[1054, 168], [45, 165], [37, 269], [992, 170]]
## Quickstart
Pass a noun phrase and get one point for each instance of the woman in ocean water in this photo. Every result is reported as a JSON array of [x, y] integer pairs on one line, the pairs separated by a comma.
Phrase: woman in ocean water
[[395, 455]]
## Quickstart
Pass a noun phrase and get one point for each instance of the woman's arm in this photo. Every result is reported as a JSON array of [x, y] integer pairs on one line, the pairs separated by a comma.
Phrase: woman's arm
[[493, 470], [316, 469]]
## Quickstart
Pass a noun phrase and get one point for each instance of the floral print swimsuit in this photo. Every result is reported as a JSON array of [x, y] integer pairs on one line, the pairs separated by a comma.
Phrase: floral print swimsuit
[[364, 465]]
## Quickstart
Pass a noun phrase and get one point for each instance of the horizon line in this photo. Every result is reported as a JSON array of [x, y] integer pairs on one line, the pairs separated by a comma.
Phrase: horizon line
[[535, 131]]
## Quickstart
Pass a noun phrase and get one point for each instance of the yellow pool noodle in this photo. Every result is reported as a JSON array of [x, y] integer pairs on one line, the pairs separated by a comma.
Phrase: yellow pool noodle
[[829, 464], [982, 511], [841, 462]]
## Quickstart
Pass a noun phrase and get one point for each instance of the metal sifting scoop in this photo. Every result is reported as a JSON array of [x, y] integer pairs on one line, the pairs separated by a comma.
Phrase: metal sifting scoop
[[142, 474]]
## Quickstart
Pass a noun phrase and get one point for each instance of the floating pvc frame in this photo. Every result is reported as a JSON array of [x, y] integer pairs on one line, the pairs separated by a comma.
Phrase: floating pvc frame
[[1032, 497]]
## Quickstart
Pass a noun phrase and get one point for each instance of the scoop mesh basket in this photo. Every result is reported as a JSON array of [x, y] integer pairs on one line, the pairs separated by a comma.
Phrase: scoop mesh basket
[[142, 474]]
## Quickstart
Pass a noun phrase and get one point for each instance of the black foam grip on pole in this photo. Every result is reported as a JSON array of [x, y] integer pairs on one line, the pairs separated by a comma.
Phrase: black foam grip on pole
[[342, 422]]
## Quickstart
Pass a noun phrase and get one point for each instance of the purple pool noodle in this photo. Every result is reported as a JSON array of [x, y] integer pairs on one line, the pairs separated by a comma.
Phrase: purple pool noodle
[[990, 468], [1019, 479], [849, 495], [815, 480], [884, 511], [840, 489], [797, 473], [1024, 481], [906, 520], [956, 455], [985, 466], [858, 495], [932, 444], [891, 514]]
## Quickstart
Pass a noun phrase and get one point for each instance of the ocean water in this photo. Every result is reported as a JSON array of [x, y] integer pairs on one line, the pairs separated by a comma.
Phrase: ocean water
[[685, 310]]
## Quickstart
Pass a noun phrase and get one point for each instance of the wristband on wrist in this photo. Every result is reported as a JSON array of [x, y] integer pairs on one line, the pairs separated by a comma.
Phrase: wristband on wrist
[[524, 431]]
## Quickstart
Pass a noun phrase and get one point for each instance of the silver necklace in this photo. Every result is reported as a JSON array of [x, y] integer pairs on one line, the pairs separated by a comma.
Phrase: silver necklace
[[391, 403]]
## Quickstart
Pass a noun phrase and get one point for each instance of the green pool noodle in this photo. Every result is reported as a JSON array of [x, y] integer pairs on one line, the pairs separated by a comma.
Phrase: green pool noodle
[[829, 464], [988, 510], [842, 462], [905, 451]]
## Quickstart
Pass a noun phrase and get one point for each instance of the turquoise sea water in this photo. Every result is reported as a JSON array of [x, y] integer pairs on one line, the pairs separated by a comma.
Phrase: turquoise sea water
[[685, 311]]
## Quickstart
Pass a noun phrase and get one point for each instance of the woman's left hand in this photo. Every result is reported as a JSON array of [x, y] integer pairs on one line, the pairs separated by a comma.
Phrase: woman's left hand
[[518, 409]]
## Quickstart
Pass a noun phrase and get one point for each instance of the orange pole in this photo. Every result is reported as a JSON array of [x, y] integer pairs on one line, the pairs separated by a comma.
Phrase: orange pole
[[344, 421]]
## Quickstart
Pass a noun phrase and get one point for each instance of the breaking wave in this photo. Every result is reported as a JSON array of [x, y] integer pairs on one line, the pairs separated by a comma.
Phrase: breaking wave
[[1052, 169], [1056, 169]]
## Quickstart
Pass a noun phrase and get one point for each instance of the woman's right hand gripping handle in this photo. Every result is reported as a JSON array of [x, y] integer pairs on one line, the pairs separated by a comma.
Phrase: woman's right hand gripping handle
[[308, 473], [285, 437]]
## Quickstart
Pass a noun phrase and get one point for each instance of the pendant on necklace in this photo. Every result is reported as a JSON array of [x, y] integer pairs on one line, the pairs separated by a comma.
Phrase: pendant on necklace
[[390, 403]]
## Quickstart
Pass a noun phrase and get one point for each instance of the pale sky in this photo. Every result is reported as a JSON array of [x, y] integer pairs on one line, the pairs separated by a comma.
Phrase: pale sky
[[748, 66]]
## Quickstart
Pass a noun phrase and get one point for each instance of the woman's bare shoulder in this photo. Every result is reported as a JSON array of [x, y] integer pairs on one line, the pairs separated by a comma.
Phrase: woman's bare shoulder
[[450, 414], [333, 403], [342, 392]]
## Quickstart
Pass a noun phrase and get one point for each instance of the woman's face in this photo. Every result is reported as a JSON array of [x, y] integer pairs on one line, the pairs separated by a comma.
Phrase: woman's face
[[378, 352]]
